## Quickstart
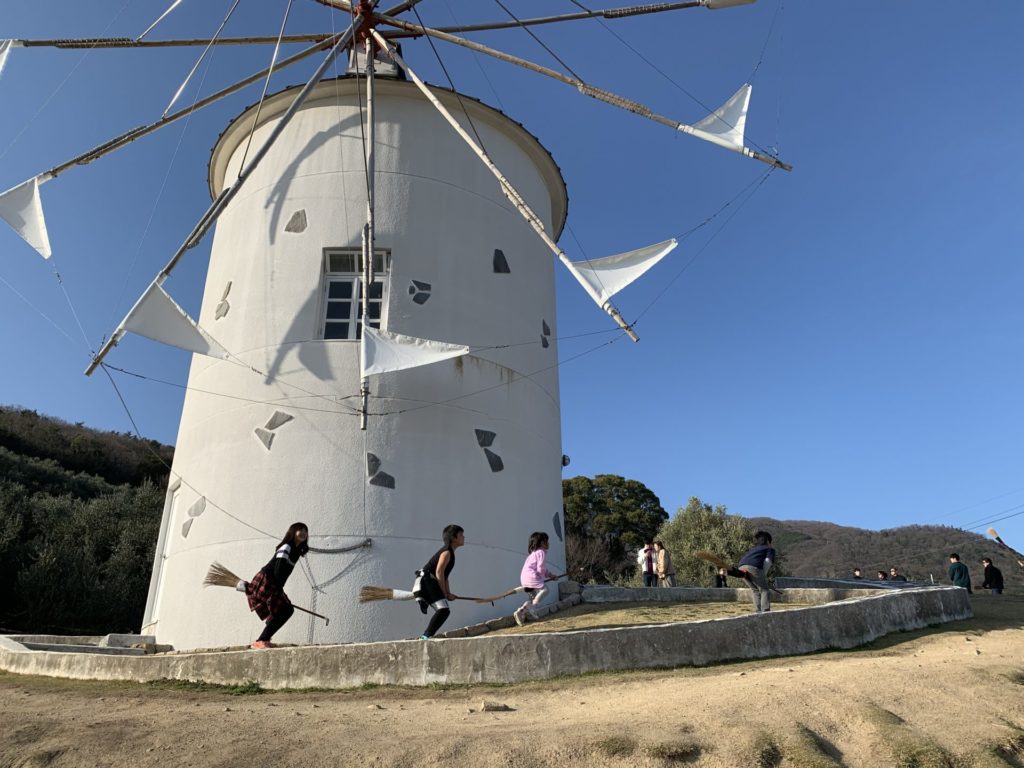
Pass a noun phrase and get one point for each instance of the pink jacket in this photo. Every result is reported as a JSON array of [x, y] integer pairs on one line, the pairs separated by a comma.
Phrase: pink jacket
[[534, 570]]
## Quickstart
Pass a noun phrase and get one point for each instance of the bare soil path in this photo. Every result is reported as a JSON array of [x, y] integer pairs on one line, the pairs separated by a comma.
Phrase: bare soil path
[[950, 696]]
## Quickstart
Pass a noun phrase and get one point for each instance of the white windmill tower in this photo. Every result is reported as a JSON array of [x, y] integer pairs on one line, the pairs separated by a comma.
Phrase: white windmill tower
[[443, 407]]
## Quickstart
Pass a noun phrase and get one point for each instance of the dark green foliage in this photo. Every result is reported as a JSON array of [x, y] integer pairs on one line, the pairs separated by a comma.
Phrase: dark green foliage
[[607, 519], [76, 549], [108, 455], [699, 526]]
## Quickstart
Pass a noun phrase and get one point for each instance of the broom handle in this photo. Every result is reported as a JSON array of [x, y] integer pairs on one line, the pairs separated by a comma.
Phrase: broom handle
[[311, 613]]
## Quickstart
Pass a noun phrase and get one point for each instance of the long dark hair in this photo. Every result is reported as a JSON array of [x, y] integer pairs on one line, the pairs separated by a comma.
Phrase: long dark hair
[[289, 538], [537, 540], [762, 538]]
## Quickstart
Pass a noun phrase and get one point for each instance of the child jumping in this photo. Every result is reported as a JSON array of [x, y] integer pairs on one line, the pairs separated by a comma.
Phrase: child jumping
[[534, 575]]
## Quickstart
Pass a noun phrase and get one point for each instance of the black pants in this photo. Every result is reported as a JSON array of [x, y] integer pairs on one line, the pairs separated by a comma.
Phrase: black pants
[[275, 622]]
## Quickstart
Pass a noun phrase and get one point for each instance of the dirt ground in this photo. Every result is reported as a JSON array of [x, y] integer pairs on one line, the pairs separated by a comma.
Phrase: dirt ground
[[951, 695]]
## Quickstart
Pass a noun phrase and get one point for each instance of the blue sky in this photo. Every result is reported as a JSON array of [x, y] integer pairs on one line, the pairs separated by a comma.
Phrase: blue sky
[[844, 344]]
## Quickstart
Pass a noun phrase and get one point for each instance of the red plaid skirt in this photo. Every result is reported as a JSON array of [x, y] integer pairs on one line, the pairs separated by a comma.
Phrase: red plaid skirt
[[265, 597]]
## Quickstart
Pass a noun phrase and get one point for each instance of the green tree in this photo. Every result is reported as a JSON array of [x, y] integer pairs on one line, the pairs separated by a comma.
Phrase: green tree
[[607, 518], [699, 526]]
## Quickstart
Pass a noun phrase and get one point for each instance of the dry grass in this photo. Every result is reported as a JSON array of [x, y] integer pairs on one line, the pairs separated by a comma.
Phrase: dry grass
[[609, 615]]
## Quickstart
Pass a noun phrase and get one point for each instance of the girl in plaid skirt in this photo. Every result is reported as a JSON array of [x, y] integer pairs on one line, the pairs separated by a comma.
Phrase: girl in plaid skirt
[[266, 589]]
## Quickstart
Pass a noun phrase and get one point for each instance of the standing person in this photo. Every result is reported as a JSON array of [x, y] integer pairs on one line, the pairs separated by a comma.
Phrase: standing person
[[882, 576], [666, 571], [895, 575], [856, 574], [432, 587], [756, 561], [992, 578], [720, 581], [958, 573], [534, 576], [265, 591], [647, 559]]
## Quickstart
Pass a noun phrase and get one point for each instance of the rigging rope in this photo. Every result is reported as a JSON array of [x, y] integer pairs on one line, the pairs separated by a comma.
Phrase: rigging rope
[[202, 56], [540, 42], [266, 84], [61, 85]]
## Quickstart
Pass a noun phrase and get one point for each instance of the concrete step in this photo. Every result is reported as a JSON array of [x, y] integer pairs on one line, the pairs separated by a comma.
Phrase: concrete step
[[71, 648]]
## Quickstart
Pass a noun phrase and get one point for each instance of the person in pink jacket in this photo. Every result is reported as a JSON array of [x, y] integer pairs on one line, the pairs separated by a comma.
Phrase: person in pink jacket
[[534, 576]]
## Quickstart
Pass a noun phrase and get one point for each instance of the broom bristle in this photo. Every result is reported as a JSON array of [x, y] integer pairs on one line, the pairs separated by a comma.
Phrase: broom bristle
[[219, 576], [711, 558], [992, 533], [372, 594]]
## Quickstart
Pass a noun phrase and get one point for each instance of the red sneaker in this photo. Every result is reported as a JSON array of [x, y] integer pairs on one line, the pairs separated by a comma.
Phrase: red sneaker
[[260, 645]]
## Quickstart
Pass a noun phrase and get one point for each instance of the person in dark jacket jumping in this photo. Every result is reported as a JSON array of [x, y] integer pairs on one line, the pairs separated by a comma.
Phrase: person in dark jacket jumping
[[756, 561], [266, 589], [992, 578]]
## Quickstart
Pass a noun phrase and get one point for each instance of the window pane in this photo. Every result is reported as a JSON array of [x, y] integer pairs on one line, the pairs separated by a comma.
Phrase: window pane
[[342, 262], [336, 331], [375, 324], [376, 290], [338, 310], [339, 289], [375, 311], [378, 262]]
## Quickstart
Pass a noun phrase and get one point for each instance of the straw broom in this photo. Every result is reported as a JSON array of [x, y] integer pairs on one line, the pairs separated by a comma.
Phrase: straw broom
[[1004, 545], [219, 576], [731, 570]]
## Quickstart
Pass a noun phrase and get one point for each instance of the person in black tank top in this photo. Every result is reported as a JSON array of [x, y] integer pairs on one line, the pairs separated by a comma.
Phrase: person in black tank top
[[265, 591], [432, 587]]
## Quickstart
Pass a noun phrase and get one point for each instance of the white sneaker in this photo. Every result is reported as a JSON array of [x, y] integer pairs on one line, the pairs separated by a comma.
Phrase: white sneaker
[[519, 617]]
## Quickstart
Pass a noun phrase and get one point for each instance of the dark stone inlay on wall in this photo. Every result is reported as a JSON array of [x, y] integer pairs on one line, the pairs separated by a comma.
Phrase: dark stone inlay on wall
[[544, 328], [500, 263], [484, 438], [419, 291], [544, 342], [494, 460], [372, 465], [383, 479], [297, 223], [556, 523]]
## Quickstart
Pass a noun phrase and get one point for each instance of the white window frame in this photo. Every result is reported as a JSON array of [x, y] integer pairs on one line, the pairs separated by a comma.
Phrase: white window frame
[[330, 305]]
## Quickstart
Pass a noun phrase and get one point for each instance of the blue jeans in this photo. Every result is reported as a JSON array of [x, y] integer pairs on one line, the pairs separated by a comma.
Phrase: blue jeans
[[650, 579]]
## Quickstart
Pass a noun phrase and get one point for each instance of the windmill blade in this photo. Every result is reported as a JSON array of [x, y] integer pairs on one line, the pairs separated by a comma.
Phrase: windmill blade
[[22, 208], [225, 197], [5, 49], [126, 42], [159, 317], [137, 133], [596, 93], [509, 191], [611, 274]]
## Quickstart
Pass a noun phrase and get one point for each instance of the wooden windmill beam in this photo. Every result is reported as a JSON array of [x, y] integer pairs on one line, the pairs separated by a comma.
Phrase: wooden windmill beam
[[585, 88], [507, 189]]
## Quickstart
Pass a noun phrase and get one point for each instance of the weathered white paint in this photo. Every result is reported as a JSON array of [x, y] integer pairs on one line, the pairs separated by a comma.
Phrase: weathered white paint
[[441, 214]]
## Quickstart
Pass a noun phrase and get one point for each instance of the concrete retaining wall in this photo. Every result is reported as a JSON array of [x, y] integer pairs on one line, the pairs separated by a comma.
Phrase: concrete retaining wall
[[517, 658]]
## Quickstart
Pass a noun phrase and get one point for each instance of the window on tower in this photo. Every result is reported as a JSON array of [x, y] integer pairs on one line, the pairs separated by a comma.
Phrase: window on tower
[[343, 292]]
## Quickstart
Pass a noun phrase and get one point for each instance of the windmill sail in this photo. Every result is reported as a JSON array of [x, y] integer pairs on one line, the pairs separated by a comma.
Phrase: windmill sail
[[157, 316], [22, 208], [383, 351], [726, 124], [611, 274], [5, 49]]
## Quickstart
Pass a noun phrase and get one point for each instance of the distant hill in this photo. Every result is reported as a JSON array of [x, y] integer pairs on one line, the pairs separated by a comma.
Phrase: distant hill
[[815, 548], [115, 458], [79, 515]]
